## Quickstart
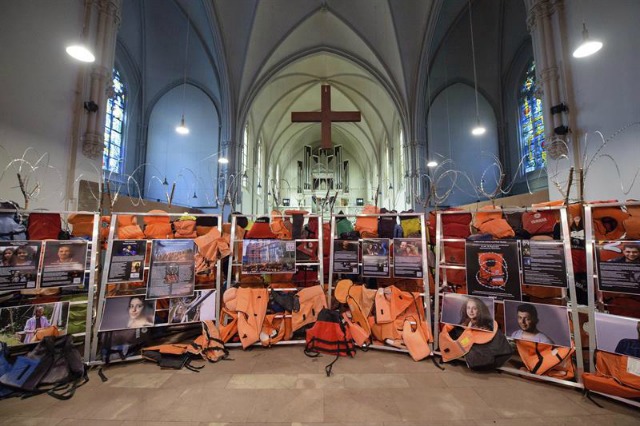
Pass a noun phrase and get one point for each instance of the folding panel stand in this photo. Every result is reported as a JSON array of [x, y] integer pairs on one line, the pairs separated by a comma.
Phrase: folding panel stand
[[426, 297], [92, 257], [572, 304], [592, 278], [104, 280], [236, 262]]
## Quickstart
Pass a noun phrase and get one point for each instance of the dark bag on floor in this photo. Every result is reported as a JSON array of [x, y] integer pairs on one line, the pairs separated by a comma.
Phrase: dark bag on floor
[[489, 356], [10, 226], [5, 366], [54, 366]]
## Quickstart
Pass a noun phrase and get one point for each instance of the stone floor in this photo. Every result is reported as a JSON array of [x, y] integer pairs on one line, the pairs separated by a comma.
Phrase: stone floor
[[282, 386]]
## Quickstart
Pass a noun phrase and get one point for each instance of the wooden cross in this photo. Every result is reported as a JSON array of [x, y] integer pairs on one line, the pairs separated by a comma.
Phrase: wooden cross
[[325, 116]]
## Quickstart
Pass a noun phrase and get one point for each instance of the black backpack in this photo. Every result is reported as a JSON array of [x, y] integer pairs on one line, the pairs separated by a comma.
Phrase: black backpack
[[54, 367]]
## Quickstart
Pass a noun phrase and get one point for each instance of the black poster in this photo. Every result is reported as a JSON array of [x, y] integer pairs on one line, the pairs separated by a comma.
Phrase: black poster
[[375, 258], [127, 261], [543, 263], [345, 256], [64, 263], [20, 262], [492, 269], [619, 266], [407, 258]]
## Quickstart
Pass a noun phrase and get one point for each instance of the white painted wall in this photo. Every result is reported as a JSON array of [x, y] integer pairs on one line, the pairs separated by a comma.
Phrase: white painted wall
[[606, 94], [191, 160], [37, 95]]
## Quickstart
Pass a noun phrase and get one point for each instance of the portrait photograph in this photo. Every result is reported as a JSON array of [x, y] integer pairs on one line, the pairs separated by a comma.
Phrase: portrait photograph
[[537, 322], [619, 335], [20, 263], [22, 325], [476, 312], [619, 266], [127, 312], [64, 263]]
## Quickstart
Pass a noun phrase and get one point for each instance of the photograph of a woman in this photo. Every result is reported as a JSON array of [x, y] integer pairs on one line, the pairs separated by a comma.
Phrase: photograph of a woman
[[468, 311], [19, 267], [127, 312]]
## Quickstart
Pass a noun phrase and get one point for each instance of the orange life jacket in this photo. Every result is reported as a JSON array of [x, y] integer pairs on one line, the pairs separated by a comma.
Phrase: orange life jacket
[[612, 376], [491, 272], [278, 226], [275, 328], [209, 345], [312, 301], [158, 226], [416, 338], [608, 222], [451, 349], [368, 226], [82, 224], [185, 229], [489, 220], [251, 305], [360, 302], [632, 223], [546, 360], [127, 228]]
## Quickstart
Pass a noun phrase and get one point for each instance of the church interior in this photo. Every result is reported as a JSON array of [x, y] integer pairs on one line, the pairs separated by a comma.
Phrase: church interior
[[208, 107]]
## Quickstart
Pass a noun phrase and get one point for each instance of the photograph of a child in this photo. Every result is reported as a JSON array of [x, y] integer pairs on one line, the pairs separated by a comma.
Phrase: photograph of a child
[[127, 312], [536, 322], [616, 334], [468, 311], [21, 325]]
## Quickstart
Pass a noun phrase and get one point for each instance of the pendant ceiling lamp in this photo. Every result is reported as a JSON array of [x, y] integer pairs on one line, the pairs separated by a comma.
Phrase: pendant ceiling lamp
[[182, 128], [588, 47], [478, 129]]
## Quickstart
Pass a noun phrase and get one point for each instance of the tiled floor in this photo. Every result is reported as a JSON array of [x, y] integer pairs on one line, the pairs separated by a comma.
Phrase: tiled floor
[[282, 386]]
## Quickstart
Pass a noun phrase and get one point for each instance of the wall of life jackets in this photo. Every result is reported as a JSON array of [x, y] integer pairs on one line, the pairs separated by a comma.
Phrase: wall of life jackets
[[549, 291]]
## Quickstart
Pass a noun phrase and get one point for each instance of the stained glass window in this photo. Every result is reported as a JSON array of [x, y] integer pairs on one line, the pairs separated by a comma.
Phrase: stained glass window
[[531, 123], [113, 153]]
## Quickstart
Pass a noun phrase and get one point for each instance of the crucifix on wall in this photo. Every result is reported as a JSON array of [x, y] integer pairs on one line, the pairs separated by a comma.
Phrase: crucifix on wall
[[325, 116]]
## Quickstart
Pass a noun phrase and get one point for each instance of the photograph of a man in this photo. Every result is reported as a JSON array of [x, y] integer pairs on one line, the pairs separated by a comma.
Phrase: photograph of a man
[[528, 323], [629, 346], [64, 263], [35, 323], [616, 334], [537, 322], [630, 254]]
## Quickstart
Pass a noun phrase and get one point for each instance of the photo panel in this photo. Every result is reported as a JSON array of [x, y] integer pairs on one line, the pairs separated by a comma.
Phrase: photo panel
[[476, 312], [376, 258], [619, 266], [537, 322], [407, 258], [64, 263], [199, 307], [127, 312], [346, 255], [619, 335], [127, 261], [268, 256], [20, 264], [493, 269], [544, 263], [172, 269], [22, 325]]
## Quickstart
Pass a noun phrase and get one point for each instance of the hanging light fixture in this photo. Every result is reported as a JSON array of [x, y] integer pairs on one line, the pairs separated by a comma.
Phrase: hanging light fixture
[[182, 129], [194, 195], [478, 129], [588, 47], [432, 164], [165, 182]]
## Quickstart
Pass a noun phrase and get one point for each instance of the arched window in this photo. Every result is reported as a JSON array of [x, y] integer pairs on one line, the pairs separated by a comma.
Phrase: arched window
[[113, 154], [258, 165], [531, 123]]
